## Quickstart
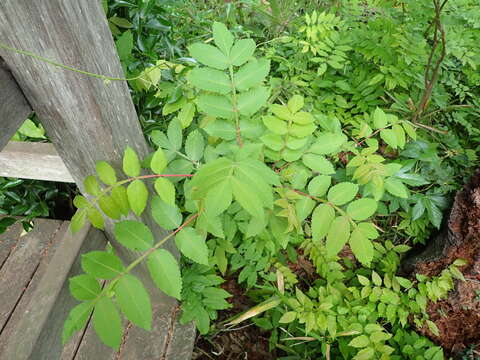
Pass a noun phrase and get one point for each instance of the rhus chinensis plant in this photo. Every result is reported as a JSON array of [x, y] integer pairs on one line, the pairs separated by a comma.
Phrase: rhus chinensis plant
[[242, 177]]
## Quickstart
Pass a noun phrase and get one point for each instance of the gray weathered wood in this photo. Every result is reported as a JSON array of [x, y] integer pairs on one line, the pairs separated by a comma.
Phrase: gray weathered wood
[[21, 265], [28, 160], [14, 108], [8, 241], [86, 119]]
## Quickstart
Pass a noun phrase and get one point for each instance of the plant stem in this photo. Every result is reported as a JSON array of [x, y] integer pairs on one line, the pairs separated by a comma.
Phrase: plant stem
[[235, 110]]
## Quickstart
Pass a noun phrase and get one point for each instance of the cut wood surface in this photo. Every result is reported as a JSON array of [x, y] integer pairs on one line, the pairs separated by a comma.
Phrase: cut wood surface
[[28, 160], [14, 108]]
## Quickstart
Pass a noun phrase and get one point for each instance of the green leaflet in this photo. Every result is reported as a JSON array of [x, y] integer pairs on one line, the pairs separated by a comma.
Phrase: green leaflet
[[166, 190], [322, 218], [209, 175], [76, 320], [342, 193], [319, 185], [131, 163], [379, 119], [133, 235], [78, 220], [209, 55], [251, 101], [223, 37], [192, 245], [211, 80], [195, 145], [134, 301], [109, 207], [319, 164], [361, 209], [219, 198], [106, 173], [101, 264], [174, 133], [96, 218], [251, 74], [328, 143], [389, 136], [216, 105], [361, 246], [137, 194], [165, 272], [167, 216], [84, 287], [295, 103], [396, 188], [242, 51], [337, 236], [248, 198], [120, 197], [107, 322], [158, 162]]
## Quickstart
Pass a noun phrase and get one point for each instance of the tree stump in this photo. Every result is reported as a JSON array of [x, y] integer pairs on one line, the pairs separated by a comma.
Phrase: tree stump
[[458, 316]]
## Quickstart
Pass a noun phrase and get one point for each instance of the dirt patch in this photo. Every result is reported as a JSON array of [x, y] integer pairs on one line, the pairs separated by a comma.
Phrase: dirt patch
[[458, 316]]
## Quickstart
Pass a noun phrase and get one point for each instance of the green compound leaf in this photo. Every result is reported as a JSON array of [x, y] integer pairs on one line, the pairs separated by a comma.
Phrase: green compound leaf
[[167, 216], [133, 235], [241, 52], [337, 236], [107, 322], [322, 218], [223, 38], [131, 163], [101, 264], [137, 194], [134, 301], [165, 272], [342, 193], [216, 105], [166, 190], [91, 185], [192, 245], [211, 80], [362, 209], [319, 185], [159, 161], [318, 163], [84, 287], [252, 74], [76, 320], [361, 246], [251, 101], [106, 173], [209, 55]]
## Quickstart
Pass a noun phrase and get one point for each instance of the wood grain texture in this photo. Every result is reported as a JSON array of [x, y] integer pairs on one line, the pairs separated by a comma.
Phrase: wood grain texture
[[86, 119], [29, 160], [14, 108], [21, 265], [8, 241]]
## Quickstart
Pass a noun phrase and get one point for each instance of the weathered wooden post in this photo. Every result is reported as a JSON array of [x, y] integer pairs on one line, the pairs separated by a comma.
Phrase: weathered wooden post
[[87, 120]]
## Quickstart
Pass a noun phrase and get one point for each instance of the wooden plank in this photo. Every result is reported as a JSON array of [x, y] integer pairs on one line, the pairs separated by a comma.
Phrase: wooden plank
[[86, 119], [35, 329], [33, 160], [14, 108], [21, 265], [8, 240]]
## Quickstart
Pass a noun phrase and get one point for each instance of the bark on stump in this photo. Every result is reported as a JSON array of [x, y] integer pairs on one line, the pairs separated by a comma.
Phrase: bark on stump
[[458, 316]]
